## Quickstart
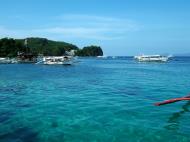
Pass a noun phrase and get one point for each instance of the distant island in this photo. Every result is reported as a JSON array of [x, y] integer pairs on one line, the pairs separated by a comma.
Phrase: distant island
[[10, 47]]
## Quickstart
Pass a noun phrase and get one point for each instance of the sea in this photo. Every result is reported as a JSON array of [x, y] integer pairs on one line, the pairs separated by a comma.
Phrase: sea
[[95, 100]]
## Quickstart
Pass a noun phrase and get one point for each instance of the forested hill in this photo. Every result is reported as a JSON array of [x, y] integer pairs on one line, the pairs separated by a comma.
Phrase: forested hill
[[9, 47], [90, 51], [48, 47]]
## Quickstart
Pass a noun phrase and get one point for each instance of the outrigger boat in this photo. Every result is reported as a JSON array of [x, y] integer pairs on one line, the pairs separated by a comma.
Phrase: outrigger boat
[[56, 60], [7, 61], [152, 58], [4, 61]]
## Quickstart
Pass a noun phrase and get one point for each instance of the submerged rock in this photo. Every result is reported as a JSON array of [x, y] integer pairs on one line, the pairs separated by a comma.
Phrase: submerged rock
[[24, 134]]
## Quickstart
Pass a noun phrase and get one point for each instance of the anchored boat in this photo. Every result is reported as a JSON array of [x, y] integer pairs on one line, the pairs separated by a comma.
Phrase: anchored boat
[[4, 61], [152, 58], [7, 61], [56, 60]]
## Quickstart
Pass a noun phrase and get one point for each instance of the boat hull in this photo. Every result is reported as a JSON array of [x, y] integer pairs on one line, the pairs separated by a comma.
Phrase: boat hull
[[152, 58]]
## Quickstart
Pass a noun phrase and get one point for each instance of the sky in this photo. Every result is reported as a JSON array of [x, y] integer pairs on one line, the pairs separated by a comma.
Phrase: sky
[[120, 27]]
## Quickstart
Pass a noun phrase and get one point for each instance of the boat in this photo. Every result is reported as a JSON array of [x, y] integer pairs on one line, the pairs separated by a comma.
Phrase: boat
[[56, 60], [7, 61], [152, 58], [23, 57], [102, 57], [3, 61]]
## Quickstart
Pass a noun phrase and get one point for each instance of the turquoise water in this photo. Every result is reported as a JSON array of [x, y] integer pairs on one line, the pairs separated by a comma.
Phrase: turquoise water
[[96, 100]]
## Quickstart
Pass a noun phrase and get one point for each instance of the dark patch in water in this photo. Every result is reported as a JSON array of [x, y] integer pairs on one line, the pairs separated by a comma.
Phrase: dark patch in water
[[24, 134], [174, 120], [16, 89], [54, 124], [56, 137], [128, 91], [4, 98], [5, 89], [22, 105], [5, 116], [132, 94]]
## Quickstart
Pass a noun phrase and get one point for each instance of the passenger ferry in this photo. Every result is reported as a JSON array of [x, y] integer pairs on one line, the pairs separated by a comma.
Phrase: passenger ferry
[[152, 58]]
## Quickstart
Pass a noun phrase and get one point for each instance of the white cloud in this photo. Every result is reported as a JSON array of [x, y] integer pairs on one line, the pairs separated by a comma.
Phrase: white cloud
[[98, 22], [86, 17], [78, 26]]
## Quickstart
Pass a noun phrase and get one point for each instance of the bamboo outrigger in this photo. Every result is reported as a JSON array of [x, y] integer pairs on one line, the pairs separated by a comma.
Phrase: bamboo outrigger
[[186, 98]]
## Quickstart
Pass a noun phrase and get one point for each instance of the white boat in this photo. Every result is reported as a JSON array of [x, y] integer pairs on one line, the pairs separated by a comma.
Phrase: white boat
[[56, 60], [152, 58], [6, 61], [102, 56]]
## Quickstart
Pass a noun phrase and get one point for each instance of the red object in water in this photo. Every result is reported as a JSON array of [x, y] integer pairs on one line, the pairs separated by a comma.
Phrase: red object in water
[[173, 101]]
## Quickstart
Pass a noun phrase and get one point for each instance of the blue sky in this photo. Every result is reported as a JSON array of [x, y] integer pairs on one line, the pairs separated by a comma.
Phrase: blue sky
[[120, 27]]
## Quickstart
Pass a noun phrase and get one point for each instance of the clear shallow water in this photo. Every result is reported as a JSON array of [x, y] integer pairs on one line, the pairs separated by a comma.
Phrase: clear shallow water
[[96, 100]]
